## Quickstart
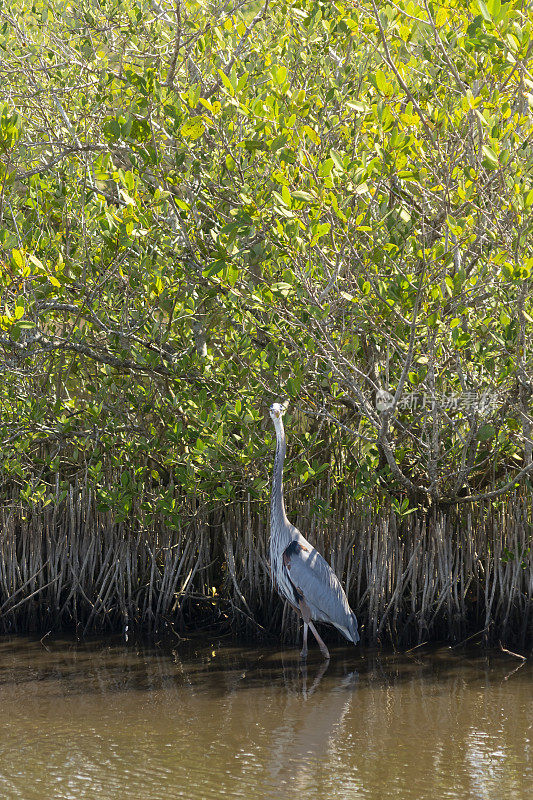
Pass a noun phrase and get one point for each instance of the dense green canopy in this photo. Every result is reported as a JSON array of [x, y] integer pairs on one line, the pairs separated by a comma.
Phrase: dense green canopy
[[206, 206]]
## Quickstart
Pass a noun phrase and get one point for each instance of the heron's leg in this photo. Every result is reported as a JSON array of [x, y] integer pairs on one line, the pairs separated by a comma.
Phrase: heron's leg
[[303, 654], [323, 649]]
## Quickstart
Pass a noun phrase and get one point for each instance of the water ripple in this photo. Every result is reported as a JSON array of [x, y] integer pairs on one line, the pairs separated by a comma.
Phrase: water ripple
[[102, 721]]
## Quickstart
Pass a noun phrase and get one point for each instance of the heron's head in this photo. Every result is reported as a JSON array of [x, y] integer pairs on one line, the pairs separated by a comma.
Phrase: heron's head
[[277, 410]]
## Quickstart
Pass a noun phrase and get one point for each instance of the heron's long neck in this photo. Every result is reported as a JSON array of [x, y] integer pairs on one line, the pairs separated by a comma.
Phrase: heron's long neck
[[277, 506]]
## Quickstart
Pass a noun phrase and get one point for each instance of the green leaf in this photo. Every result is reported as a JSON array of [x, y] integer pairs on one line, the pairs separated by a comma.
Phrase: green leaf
[[194, 95], [357, 106], [193, 128], [226, 81], [486, 432], [18, 259], [214, 268], [484, 11], [381, 82], [299, 195], [326, 168], [337, 162], [279, 74], [490, 160], [312, 134], [320, 230], [282, 288]]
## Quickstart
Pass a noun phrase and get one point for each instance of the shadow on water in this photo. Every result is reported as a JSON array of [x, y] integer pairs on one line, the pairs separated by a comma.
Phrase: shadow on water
[[101, 719]]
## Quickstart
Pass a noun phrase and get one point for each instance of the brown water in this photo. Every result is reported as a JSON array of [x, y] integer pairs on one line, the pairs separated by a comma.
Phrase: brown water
[[107, 720]]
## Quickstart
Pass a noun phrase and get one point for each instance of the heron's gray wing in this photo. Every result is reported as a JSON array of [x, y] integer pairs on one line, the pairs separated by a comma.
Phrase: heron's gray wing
[[312, 576]]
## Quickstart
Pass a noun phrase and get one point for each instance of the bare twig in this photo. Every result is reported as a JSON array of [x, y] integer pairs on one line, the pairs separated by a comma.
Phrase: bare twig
[[510, 653]]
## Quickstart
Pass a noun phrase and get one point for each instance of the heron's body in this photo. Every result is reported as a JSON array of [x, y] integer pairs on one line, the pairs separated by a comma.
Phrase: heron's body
[[300, 574]]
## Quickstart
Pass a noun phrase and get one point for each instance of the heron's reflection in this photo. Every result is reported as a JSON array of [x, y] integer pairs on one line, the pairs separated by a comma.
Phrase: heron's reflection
[[312, 721], [322, 669]]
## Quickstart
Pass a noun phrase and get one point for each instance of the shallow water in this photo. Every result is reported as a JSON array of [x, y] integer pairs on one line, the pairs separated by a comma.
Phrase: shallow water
[[107, 720]]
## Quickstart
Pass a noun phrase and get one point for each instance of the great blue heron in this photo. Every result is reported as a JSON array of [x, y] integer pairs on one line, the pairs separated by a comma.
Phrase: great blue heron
[[300, 574]]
